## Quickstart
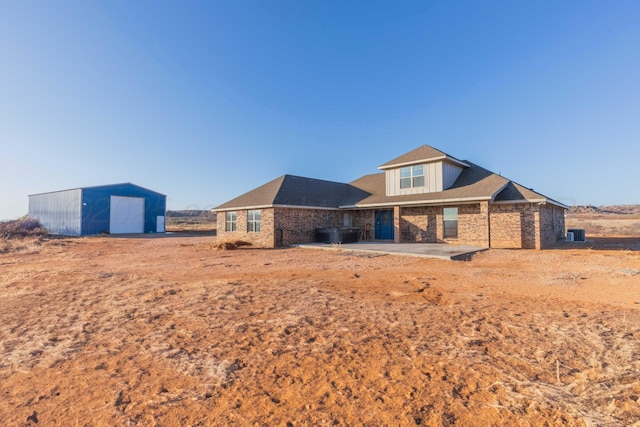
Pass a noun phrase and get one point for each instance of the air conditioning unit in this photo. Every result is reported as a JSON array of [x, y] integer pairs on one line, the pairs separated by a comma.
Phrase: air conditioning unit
[[579, 234], [569, 236]]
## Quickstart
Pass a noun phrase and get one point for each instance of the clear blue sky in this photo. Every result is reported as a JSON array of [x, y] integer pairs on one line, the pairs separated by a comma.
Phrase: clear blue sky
[[205, 100]]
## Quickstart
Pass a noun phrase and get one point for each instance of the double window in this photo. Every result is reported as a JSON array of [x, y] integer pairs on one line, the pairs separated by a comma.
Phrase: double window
[[230, 221], [412, 176], [253, 221]]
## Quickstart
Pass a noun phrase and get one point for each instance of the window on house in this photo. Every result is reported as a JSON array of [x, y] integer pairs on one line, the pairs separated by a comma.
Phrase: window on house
[[346, 219], [253, 221], [412, 176], [450, 218], [230, 221]]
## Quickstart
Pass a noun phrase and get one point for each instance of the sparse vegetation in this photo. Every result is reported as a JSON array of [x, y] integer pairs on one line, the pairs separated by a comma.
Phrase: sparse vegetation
[[21, 234], [21, 228], [229, 245], [190, 220], [604, 210], [605, 221]]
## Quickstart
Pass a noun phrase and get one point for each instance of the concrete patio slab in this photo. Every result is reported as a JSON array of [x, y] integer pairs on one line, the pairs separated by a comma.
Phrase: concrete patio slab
[[426, 250]]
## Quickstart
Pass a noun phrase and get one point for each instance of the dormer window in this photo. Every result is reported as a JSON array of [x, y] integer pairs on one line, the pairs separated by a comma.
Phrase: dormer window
[[412, 176]]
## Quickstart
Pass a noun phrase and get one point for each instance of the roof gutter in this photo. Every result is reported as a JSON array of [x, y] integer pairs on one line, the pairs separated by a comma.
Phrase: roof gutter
[[539, 201], [241, 207], [513, 202], [236, 208], [466, 200]]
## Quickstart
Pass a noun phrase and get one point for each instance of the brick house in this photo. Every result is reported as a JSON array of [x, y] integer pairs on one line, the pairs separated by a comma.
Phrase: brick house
[[422, 196]]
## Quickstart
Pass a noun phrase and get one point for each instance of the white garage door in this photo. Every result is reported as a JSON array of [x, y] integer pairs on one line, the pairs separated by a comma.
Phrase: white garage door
[[127, 215]]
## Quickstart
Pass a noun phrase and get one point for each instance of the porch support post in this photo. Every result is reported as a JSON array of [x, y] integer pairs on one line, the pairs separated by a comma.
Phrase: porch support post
[[537, 228], [485, 211], [397, 235]]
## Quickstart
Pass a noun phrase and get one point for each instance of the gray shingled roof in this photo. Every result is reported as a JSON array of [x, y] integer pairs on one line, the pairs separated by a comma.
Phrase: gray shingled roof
[[474, 184], [423, 153], [290, 190], [515, 191]]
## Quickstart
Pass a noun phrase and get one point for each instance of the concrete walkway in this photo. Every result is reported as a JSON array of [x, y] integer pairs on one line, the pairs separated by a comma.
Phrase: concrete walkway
[[426, 250]]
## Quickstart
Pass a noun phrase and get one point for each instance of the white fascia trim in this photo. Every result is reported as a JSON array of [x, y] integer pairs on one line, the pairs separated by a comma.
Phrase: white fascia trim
[[493, 196], [244, 208], [431, 160], [558, 204], [322, 208], [241, 208], [459, 162], [551, 202], [538, 201], [513, 202], [466, 200]]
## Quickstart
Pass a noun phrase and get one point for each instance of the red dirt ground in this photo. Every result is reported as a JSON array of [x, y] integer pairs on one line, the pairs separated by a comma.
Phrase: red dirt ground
[[166, 331]]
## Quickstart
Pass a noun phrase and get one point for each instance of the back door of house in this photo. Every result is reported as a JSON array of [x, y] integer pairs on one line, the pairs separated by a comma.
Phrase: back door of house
[[384, 225]]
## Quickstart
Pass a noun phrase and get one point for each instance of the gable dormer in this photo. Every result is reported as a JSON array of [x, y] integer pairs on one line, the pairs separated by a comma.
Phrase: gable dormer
[[423, 170]]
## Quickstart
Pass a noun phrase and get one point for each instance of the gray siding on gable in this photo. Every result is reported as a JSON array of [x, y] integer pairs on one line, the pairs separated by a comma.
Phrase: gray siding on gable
[[438, 176], [450, 173], [59, 212]]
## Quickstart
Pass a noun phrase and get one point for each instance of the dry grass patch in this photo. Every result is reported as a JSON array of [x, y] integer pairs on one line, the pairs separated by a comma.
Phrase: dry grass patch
[[23, 234], [229, 245], [21, 228]]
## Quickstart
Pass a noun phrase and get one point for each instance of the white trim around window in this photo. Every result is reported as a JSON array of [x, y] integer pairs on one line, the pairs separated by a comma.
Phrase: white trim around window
[[412, 176], [254, 220], [230, 221]]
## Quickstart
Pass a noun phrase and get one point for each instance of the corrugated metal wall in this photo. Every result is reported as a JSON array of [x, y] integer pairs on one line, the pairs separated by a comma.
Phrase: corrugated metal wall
[[83, 211], [96, 206], [59, 212]]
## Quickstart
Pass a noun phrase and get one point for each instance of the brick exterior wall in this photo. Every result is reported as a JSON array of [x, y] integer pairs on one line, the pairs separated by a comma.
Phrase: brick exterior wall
[[419, 224], [473, 225], [287, 226], [522, 225], [397, 236], [526, 225], [552, 226], [364, 220], [513, 226], [425, 224], [297, 225], [506, 226], [263, 239]]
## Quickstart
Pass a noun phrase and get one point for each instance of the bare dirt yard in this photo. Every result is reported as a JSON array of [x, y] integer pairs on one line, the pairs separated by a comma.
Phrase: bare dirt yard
[[167, 331]]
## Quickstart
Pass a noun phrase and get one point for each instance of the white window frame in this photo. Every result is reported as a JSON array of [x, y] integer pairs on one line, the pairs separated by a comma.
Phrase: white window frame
[[254, 220], [231, 221], [448, 215], [346, 219], [411, 177]]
